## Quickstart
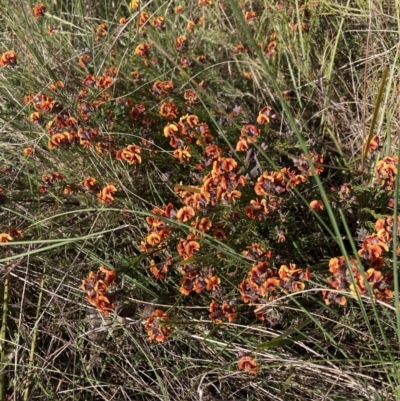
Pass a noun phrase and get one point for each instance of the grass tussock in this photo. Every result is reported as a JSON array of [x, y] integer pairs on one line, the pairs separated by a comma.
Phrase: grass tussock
[[199, 201]]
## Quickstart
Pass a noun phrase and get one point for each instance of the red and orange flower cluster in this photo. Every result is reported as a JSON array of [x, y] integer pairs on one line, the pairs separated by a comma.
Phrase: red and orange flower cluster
[[162, 88], [157, 326], [194, 278], [198, 280], [186, 131], [96, 288], [342, 281], [273, 184], [220, 185], [159, 229], [386, 171], [160, 270], [101, 31], [249, 134], [66, 129], [48, 180], [371, 251], [268, 283], [219, 312], [130, 154]]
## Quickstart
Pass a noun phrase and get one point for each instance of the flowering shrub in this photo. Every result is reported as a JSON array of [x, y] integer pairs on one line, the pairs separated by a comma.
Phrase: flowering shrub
[[156, 138]]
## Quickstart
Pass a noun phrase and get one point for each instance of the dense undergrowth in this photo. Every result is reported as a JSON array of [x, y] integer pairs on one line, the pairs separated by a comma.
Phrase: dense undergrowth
[[199, 200]]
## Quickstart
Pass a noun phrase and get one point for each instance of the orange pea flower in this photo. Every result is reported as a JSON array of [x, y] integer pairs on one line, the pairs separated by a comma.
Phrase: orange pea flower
[[106, 195], [372, 248], [135, 75], [204, 224], [218, 312], [233, 195], [239, 49], [212, 282], [219, 233], [170, 129], [57, 140], [56, 85], [182, 154], [248, 364], [36, 118], [28, 151], [265, 115], [228, 164], [386, 171], [191, 97], [8, 59], [153, 238], [242, 144], [4, 237], [84, 60], [106, 275], [143, 18], [137, 112], [185, 213], [317, 205], [131, 154], [104, 81], [186, 62], [154, 222], [168, 110], [159, 22], [229, 312], [103, 303], [270, 49], [186, 286], [199, 284], [250, 17], [143, 50], [191, 247], [39, 10], [89, 183], [162, 88], [101, 30], [250, 132], [181, 43], [190, 26], [134, 4]]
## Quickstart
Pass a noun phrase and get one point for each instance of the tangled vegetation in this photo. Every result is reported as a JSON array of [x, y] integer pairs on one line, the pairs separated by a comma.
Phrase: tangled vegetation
[[199, 200]]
